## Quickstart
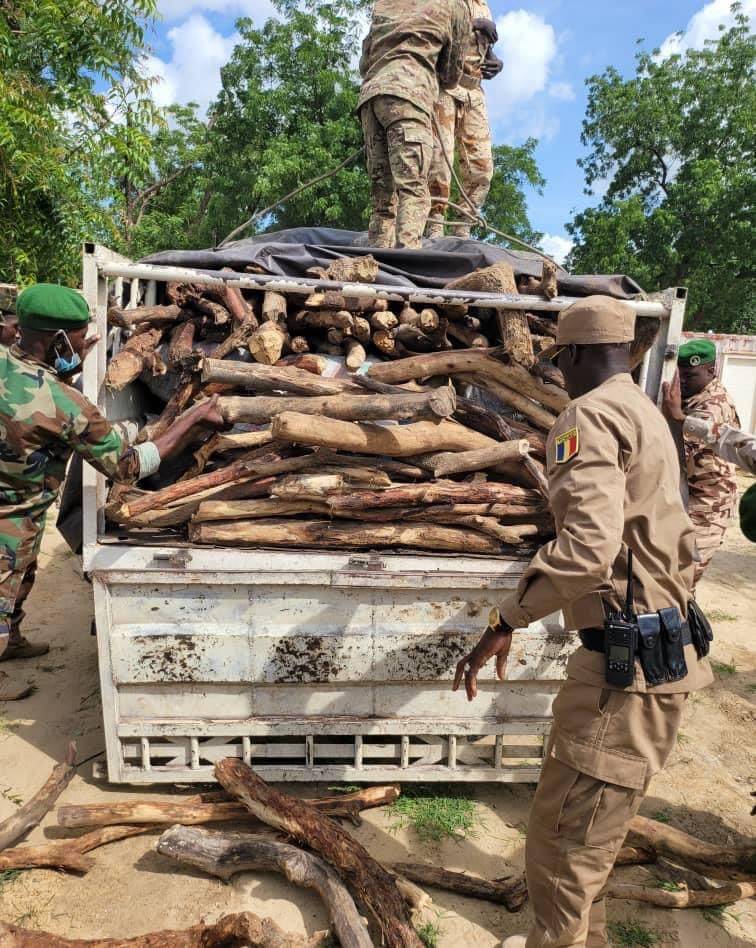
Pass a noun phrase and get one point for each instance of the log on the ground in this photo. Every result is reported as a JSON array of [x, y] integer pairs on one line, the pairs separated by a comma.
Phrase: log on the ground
[[442, 492], [635, 856], [137, 354], [266, 378], [342, 535], [232, 931], [512, 895], [260, 409], [682, 847], [224, 855], [462, 462], [422, 437], [69, 854], [30, 814], [683, 897], [373, 885]]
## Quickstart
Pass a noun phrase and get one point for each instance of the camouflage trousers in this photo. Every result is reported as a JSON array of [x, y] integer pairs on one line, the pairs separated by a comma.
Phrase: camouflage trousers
[[20, 539], [399, 145], [710, 528], [461, 127]]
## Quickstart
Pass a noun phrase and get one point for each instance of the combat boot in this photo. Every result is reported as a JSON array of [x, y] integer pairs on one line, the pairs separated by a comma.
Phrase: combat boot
[[9, 692], [20, 647]]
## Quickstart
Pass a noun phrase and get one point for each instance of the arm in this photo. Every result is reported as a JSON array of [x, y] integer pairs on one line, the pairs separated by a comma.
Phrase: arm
[[673, 412], [452, 59]]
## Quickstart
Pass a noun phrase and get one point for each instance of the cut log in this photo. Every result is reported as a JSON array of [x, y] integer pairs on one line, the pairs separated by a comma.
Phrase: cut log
[[548, 286], [498, 278], [400, 469], [354, 354], [194, 811], [242, 312], [274, 307], [510, 515], [536, 471], [512, 895], [232, 931], [634, 856], [299, 346], [182, 343], [307, 362], [214, 310], [266, 344], [515, 337], [212, 511], [384, 341], [461, 462], [646, 331], [442, 492], [384, 322], [266, 378], [176, 404], [542, 325], [223, 443], [350, 270], [536, 415], [68, 855], [224, 855], [469, 338], [136, 356], [30, 814], [320, 486], [260, 410], [321, 320], [681, 847], [414, 339], [684, 897], [157, 317], [480, 419], [342, 535], [371, 882], [422, 437], [362, 330]]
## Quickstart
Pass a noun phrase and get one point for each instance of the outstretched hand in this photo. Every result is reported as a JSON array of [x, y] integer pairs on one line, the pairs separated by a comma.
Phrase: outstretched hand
[[208, 413], [494, 641]]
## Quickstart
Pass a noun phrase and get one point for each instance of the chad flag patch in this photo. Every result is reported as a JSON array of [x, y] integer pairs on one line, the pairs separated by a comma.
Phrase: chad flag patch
[[567, 446]]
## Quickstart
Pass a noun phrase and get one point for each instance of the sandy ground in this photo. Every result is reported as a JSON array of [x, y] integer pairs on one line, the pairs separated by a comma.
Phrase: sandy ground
[[133, 890]]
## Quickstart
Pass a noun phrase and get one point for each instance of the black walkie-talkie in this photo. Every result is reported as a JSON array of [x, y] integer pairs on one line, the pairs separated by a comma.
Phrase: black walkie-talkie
[[621, 638]]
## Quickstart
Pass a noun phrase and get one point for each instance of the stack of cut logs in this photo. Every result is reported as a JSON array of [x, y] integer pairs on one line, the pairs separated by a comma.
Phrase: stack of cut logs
[[388, 451]]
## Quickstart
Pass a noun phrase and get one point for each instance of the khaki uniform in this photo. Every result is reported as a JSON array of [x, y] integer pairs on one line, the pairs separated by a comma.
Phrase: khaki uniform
[[462, 127], [413, 48], [712, 484], [614, 485]]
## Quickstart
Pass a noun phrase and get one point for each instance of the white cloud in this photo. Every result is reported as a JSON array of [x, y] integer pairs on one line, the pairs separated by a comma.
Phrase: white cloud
[[562, 91], [528, 46], [557, 246], [176, 9], [193, 73], [705, 25]]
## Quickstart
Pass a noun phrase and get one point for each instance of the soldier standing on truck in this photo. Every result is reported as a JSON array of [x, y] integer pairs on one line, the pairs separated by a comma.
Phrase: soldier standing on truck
[[461, 124], [413, 47], [712, 485], [614, 490], [43, 420]]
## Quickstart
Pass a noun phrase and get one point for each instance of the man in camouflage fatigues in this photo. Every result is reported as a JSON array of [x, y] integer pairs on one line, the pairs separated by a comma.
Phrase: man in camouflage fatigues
[[712, 486], [462, 125], [43, 421], [413, 47]]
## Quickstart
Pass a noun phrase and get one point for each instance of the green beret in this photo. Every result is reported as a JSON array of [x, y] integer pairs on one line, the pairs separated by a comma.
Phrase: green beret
[[697, 352], [748, 513], [49, 307]]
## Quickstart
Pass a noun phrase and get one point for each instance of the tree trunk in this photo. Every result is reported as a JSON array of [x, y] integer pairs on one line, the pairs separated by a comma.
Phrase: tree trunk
[[137, 355], [462, 462], [224, 855], [342, 535], [264, 378], [259, 410], [443, 492], [68, 854], [512, 895], [30, 814], [372, 883], [267, 343], [422, 437]]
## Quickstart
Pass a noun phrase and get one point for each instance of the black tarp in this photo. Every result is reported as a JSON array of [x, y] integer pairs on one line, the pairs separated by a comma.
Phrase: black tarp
[[294, 252]]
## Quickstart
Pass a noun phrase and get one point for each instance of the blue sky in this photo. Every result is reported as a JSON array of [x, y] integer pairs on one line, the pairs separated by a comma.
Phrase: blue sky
[[549, 48]]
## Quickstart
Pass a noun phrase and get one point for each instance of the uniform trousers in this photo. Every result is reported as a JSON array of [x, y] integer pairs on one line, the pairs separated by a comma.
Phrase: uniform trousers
[[399, 148], [461, 127], [710, 530], [604, 748]]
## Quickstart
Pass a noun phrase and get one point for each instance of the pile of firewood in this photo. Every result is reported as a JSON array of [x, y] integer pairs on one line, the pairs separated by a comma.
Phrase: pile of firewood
[[380, 447]]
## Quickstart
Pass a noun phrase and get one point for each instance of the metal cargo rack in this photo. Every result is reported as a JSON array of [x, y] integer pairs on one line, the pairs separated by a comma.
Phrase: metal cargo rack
[[307, 665]]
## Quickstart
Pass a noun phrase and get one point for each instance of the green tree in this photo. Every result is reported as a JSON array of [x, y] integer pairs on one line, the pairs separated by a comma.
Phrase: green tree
[[506, 209], [675, 144], [56, 57]]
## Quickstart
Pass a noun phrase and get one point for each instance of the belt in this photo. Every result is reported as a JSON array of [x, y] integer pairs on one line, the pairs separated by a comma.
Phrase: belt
[[470, 82], [593, 639]]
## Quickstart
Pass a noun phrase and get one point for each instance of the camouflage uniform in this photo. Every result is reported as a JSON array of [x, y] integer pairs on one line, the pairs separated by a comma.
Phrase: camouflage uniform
[[730, 444], [412, 47], [462, 126], [42, 421], [711, 481]]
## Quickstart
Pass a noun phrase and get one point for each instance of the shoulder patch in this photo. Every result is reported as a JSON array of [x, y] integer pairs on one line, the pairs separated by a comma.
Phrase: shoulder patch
[[567, 446]]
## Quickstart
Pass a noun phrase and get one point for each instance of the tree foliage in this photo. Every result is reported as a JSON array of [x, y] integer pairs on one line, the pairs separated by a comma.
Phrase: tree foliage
[[675, 146], [506, 209]]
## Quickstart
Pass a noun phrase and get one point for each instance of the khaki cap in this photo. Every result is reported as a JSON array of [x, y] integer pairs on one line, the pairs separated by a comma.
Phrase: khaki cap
[[593, 320]]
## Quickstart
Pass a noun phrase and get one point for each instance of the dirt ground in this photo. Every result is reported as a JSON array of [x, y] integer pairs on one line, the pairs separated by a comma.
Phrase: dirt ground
[[132, 890]]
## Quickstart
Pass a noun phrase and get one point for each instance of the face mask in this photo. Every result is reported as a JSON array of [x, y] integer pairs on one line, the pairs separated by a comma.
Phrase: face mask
[[65, 365]]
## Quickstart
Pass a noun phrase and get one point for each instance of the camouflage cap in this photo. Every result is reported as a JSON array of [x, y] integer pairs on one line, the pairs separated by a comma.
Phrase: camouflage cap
[[593, 320], [748, 513], [697, 352], [48, 307]]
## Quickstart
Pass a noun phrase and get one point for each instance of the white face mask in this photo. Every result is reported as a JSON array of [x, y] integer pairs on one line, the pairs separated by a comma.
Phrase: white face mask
[[65, 364]]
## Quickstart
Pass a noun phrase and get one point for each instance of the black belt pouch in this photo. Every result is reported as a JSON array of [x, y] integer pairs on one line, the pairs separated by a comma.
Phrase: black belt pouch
[[651, 649], [674, 652], [700, 630]]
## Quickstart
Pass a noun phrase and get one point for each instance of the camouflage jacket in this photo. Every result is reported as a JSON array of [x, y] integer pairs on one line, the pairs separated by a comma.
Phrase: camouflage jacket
[[42, 421], [412, 47], [711, 480], [730, 444], [476, 50]]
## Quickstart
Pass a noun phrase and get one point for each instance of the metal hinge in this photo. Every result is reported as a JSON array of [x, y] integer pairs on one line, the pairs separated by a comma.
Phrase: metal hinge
[[373, 562], [178, 559]]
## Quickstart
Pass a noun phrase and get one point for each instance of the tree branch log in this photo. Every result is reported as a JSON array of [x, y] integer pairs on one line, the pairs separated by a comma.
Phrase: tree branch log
[[512, 895]]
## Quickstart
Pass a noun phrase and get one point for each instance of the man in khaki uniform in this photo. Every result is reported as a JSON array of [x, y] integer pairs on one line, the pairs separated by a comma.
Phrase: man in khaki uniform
[[413, 47], [614, 488], [461, 126]]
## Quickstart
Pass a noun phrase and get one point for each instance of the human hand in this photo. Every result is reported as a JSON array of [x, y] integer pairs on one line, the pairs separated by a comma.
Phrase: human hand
[[482, 24], [208, 413], [494, 641], [89, 343], [492, 66], [672, 399]]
